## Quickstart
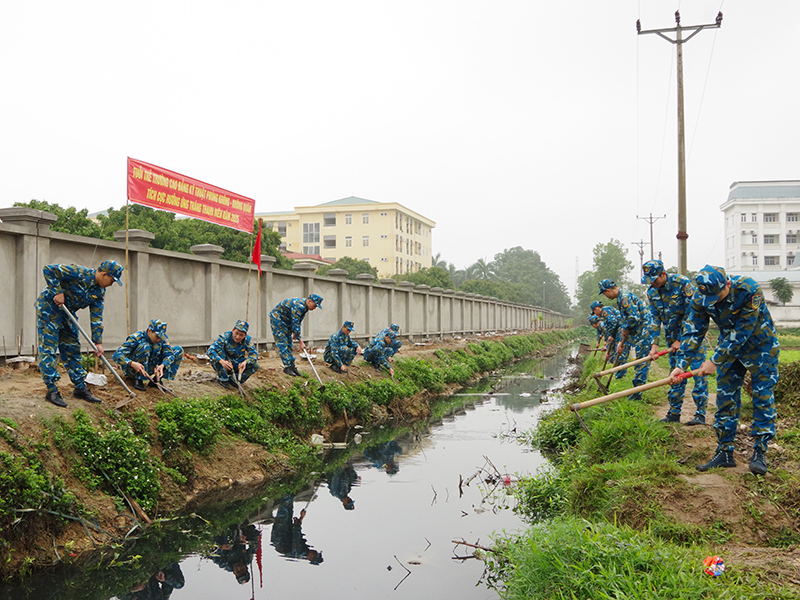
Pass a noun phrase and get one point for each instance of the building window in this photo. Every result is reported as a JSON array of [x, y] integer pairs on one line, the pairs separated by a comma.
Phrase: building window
[[770, 217], [791, 217], [384, 214], [365, 218], [366, 260], [384, 259], [310, 249], [282, 228], [754, 238], [268, 225], [329, 241], [310, 234], [365, 240], [771, 261], [282, 247], [791, 238], [770, 239], [754, 217], [329, 219], [348, 241], [744, 217], [332, 258], [348, 219], [755, 261], [384, 237]]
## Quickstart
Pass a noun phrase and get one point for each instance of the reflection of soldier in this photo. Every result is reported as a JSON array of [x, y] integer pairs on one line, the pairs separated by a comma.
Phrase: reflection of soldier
[[235, 550], [382, 456], [287, 535], [147, 353], [340, 484], [159, 586]]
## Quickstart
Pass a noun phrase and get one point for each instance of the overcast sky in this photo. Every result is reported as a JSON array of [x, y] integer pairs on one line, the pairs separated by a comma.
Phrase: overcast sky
[[546, 125]]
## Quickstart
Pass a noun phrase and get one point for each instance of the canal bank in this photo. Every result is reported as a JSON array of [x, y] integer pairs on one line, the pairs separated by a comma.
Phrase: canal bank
[[85, 479]]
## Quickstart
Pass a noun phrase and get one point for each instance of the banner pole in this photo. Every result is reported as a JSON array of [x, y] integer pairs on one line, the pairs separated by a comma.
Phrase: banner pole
[[127, 268], [249, 268], [258, 309]]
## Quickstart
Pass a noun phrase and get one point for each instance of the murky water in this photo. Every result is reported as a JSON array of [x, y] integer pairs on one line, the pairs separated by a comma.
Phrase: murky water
[[381, 523]]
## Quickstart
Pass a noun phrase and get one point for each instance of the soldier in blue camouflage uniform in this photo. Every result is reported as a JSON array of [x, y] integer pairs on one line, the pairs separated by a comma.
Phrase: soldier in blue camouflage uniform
[[610, 321], [595, 322], [76, 288], [379, 351], [341, 350], [396, 343], [234, 351], [636, 325], [147, 353], [285, 320], [747, 342], [670, 295]]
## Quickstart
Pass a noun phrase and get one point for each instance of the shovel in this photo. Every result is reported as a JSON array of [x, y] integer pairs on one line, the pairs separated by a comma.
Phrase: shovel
[[622, 394], [321, 385], [633, 363], [91, 343], [161, 387], [238, 383]]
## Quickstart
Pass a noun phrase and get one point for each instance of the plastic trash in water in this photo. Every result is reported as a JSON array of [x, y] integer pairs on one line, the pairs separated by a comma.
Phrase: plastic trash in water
[[714, 566]]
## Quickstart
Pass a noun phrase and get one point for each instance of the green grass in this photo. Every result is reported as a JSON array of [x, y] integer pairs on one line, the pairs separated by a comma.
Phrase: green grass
[[789, 356], [572, 558]]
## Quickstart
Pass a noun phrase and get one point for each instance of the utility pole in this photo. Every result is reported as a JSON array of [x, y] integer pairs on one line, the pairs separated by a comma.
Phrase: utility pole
[[679, 41], [651, 219], [641, 245]]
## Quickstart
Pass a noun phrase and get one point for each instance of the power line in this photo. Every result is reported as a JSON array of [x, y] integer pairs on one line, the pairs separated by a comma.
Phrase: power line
[[651, 219]]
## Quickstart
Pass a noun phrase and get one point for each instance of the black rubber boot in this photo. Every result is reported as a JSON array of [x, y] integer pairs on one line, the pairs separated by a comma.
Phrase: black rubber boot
[[291, 370], [670, 418], [722, 458], [54, 397], [226, 383], [84, 394], [138, 384], [758, 462], [336, 369], [697, 420]]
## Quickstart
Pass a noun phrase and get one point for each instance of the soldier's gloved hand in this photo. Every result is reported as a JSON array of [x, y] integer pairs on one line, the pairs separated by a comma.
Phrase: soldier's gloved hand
[[137, 366], [59, 299]]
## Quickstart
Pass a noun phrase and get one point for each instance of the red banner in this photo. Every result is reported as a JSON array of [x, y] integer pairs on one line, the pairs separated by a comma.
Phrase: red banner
[[160, 188]]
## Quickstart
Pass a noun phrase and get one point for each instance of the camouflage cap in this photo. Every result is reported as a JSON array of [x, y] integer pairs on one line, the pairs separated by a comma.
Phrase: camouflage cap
[[595, 304], [594, 319], [606, 284], [113, 268], [651, 270], [242, 325], [710, 283], [349, 325], [317, 299], [158, 327], [391, 335], [394, 327]]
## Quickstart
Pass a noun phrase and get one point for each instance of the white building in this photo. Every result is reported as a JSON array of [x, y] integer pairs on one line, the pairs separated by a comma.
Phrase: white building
[[762, 226]]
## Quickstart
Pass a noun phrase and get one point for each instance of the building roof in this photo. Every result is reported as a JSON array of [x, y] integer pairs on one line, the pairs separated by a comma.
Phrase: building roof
[[316, 258], [349, 200], [764, 189]]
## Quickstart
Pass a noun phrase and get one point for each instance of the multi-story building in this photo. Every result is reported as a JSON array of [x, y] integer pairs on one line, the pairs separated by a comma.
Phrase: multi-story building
[[762, 226], [387, 235]]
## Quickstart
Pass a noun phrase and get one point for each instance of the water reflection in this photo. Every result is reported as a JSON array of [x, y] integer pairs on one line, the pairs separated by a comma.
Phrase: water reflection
[[159, 586], [287, 533], [341, 482], [235, 548]]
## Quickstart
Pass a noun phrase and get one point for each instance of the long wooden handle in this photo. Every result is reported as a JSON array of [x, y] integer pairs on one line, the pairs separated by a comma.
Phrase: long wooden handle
[[638, 361], [623, 393]]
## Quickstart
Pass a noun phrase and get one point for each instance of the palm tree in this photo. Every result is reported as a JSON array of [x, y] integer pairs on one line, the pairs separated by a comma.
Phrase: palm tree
[[481, 270], [437, 261]]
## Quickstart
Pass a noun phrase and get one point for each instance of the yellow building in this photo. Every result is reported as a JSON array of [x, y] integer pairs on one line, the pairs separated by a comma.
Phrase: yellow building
[[387, 235]]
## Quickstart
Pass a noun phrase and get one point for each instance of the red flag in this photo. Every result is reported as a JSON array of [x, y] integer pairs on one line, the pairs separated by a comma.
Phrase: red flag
[[257, 248]]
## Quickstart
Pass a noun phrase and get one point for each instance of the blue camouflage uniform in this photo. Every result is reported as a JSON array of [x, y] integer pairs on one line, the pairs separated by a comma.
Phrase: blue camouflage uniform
[[610, 321], [139, 348], [285, 320], [224, 348], [378, 352], [340, 349], [747, 342], [669, 305], [636, 320], [396, 343], [56, 332]]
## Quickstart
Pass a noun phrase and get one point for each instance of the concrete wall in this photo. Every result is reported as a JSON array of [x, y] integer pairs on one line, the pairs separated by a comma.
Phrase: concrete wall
[[200, 296]]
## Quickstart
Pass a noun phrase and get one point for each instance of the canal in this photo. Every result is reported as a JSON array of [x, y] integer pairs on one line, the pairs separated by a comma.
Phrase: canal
[[380, 522]]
